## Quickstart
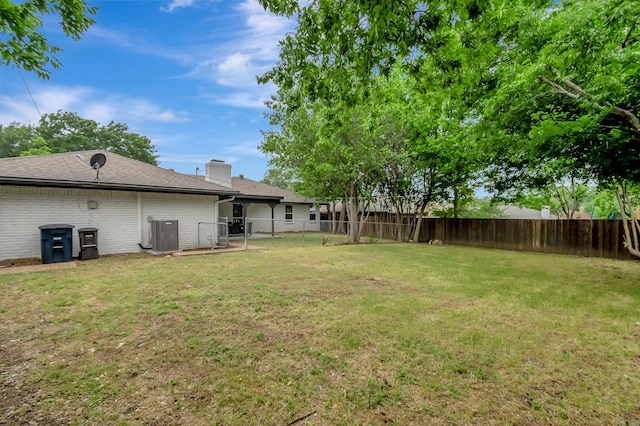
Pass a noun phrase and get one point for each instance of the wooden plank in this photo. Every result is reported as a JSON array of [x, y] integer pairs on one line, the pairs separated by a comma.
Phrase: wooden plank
[[601, 238]]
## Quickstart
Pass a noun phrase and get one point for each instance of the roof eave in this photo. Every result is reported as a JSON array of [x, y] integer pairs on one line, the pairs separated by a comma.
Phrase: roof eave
[[240, 197], [111, 186]]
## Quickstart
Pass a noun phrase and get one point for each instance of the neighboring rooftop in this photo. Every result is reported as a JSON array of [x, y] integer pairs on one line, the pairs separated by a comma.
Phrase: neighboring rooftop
[[72, 170], [517, 212], [253, 188]]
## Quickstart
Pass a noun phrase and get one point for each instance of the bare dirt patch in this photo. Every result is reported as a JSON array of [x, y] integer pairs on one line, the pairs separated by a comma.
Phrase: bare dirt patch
[[35, 267], [20, 262], [22, 400]]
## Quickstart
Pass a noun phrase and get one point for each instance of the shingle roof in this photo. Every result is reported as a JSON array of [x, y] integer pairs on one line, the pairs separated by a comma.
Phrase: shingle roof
[[250, 188], [517, 212], [72, 170]]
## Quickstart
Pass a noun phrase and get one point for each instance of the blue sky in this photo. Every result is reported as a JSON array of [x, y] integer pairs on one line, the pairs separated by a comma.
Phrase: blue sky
[[180, 72]]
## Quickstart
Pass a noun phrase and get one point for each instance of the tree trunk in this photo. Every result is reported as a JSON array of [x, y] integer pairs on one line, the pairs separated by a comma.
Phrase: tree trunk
[[630, 221], [416, 232], [332, 209], [352, 214], [364, 217], [343, 212]]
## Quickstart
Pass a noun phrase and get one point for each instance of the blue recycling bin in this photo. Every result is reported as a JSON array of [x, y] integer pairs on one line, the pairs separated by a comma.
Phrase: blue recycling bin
[[56, 243]]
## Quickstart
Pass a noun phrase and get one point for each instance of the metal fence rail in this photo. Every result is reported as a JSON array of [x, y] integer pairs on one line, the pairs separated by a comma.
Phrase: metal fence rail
[[212, 234]]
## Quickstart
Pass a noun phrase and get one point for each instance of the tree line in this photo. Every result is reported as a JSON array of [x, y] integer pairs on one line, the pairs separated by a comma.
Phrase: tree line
[[414, 102], [66, 131]]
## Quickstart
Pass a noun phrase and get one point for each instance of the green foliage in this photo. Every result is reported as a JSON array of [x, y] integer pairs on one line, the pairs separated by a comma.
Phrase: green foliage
[[604, 205], [481, 208], [564, 200], [523, 94], [15, 139], [279, 178], [38, 147], [24, 46], [567, 96], [66, 132]]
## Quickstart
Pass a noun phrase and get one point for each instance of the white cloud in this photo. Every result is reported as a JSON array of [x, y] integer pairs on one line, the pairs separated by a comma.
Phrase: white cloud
[[245, 149], [21, 108], [241, 100], [87, 103], [233, 63], [236, 70], [253, 52], [142, 110], [176, 4], [138, 44]]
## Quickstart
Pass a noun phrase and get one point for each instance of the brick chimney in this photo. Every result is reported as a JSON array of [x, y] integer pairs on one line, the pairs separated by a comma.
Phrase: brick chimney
[[217, 171]]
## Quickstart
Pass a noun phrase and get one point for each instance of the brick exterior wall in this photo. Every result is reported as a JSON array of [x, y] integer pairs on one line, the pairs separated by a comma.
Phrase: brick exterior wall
[[189, 210], [120, 229]]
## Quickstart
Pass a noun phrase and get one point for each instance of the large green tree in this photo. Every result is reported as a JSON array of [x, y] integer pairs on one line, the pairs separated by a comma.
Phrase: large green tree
[[15, 139], [22, 43], [336, 39], [330, 151], [550, 88], [340, 55], [278, 177], [568, 94], [566, 103], [66, 132]]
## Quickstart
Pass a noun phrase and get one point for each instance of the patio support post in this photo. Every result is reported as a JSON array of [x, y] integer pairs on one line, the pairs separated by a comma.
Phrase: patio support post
[[245, 234], [273, 221], [245, 211]]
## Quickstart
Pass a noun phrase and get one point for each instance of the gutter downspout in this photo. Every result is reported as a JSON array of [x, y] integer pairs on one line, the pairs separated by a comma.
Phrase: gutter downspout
[[139, 221]]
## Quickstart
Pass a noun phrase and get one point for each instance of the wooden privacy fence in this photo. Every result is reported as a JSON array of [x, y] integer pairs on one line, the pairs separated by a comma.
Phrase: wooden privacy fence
[[591, 238]]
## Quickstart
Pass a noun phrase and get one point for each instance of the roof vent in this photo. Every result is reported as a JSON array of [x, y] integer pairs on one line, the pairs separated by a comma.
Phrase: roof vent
[[241, 176]]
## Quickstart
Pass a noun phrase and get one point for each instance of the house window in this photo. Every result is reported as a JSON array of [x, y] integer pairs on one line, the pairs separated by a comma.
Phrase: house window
[[312, 213], [288, 214]]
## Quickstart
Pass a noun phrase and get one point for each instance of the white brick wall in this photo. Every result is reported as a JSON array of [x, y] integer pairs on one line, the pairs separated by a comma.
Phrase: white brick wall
[[260, 216], [189, 210], [23, 209]]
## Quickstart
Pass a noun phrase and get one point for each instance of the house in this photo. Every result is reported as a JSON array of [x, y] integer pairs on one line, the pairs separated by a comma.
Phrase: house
[[267, 208], [577, 214], [122, 199], [518, 212], [378, 210]]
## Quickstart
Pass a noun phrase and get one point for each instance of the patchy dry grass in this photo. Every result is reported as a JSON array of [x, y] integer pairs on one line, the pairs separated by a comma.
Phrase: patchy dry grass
[[363, 334]]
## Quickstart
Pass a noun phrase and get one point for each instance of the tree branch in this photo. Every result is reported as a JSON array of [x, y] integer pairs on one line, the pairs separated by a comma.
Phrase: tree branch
[[628, 40], [559, 89], [578, 93], [630, 229]]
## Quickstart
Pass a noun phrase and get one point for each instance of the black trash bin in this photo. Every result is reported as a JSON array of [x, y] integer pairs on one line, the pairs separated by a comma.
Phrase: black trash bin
[[56, 243], [88, 243]]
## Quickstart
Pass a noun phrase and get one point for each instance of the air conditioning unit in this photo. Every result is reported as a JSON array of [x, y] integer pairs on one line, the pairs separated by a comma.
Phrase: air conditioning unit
[[164, 235]]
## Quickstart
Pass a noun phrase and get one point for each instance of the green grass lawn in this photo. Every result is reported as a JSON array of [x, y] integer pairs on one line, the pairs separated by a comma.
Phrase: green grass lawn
[[347, 334]]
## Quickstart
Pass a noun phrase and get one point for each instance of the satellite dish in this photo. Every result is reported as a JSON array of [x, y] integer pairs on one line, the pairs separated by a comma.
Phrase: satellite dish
[[97, 161]]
